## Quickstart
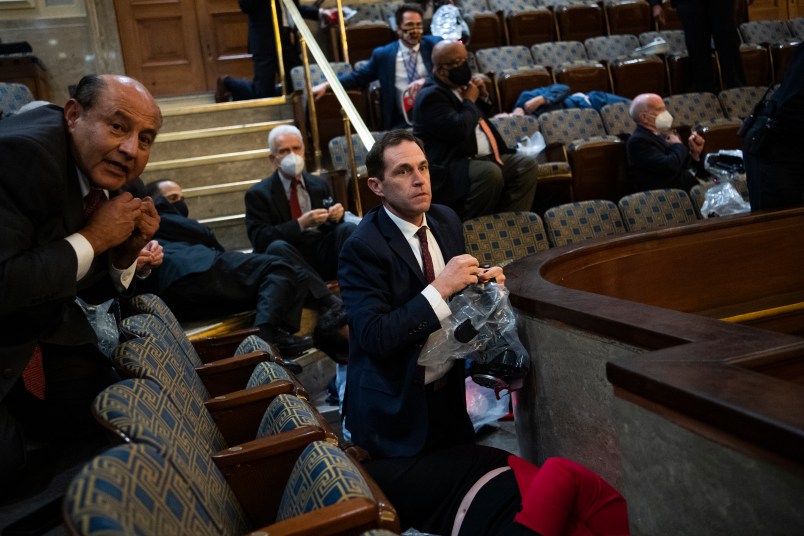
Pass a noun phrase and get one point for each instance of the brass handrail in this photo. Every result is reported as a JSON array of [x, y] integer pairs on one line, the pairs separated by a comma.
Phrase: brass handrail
[[342, 27], [308, 86]]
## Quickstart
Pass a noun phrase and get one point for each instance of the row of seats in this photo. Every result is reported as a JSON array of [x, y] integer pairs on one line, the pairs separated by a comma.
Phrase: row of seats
[[585, 151], [220, 447], [502, 238]]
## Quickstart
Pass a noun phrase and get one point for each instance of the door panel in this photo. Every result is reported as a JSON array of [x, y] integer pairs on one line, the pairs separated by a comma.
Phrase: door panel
[[223, 31]]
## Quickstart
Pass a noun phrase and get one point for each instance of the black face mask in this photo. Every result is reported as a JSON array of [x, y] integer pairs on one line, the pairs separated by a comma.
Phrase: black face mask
[[460, 75], [181, 208]]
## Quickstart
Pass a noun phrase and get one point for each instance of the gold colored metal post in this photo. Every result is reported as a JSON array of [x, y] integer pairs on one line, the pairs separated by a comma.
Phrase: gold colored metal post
[[347, 127], [342, 25], [308, 83], [278, 39]]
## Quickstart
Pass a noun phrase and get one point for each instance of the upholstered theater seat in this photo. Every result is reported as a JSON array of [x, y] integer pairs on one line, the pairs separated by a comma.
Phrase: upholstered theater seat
[[655, 209]]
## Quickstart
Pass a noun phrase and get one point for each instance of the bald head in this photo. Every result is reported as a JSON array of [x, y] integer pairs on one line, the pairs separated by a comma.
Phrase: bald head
[[450, 57], [645, 108], [444, 52]]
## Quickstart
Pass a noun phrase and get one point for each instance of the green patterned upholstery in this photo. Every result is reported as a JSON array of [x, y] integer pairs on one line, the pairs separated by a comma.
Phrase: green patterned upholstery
[[266, 372], [575, 222], [152, 304], [142, 412], [286, 413], [499, 239], [323, 475], [133, 489], [655, 209], [154, 359]]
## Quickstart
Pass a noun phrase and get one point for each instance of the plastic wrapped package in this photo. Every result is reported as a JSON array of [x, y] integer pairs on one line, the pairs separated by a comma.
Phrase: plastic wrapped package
[[723, 199], [726, 165]]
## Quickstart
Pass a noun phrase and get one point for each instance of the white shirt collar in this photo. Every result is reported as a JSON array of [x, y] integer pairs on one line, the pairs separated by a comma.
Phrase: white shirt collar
[[408, 229]]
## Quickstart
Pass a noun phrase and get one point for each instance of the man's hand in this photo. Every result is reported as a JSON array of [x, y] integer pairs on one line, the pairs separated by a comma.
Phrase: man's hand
[[658, 15], [320, 89], [696, 144], [335, 212], [487, 274], [459, 272], [113, 222], [145, 228], [470, 92], [314, 218], [150, 257], [534, 104], [672, 137], [414, 87]]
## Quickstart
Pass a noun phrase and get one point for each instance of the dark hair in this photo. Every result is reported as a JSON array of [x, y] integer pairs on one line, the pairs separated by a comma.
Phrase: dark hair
[[88, 90], [404, 8], [152, 188], [375, 160], [327, 336]]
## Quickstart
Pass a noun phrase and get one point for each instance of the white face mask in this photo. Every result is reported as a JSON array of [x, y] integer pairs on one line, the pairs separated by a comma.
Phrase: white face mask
[[292, 165], [664, 121]]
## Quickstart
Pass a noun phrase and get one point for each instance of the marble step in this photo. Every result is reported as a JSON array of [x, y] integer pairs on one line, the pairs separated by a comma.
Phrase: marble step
[[183, 115]]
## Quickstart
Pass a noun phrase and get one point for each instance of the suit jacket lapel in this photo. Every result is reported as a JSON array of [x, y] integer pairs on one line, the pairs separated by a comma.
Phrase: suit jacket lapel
[[279, 197], [397, 242]]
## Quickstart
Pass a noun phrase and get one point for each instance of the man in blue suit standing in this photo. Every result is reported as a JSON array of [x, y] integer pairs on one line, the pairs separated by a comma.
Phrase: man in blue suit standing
[[403, 64]]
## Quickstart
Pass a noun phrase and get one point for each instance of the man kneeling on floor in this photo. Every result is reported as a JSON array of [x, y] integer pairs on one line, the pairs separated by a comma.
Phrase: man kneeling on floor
[[200, 280]]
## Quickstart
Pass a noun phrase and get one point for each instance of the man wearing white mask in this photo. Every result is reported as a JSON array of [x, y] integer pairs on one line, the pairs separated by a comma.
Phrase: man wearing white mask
[[296, 207], [657, 158]]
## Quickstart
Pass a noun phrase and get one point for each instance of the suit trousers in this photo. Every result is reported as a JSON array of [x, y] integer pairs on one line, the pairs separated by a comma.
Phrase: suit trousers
[[321, 250], [266, 67], [237, 282], [704, 20], [494, 188]]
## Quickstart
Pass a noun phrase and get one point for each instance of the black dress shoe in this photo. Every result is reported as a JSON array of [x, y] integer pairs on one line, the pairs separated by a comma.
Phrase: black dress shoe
[[290, 345], [222, 94]]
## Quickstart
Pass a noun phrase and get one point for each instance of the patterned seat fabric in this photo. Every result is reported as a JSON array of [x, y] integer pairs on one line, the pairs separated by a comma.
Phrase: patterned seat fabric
[[581, 143], [253, 343], [133, 489], [267, 372], [499, 239], [584, 220], [655, 209], [339, 152], [497, 59], [763, 32], [143, 413], [513, 128], [153, 305], [617, 120], [690, 109], [611, 47], [13, 97], [316, 74], [558, 53], [286, 413], [367, 12], [739, 102], [323, 475], [565, 126], [476, 6]]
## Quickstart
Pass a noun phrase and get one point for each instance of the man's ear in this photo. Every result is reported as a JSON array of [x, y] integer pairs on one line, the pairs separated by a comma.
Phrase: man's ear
[[72, 110], [375, 185]]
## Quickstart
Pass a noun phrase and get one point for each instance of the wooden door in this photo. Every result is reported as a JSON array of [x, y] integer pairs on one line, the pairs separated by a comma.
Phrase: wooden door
[[768, 9], [177, 47]]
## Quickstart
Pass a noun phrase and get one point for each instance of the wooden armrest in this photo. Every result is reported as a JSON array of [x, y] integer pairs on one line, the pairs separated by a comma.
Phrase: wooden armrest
[[230, 374], [258, 470], [214, 348], [556, 152], [389, 518], [352, 517], [238, 414]]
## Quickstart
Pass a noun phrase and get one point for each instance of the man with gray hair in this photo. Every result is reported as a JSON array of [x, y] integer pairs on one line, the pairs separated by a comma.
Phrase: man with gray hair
[[296, 207], [657, 158]]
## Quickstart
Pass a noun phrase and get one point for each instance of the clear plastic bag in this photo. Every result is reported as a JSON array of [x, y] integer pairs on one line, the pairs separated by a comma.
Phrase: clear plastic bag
[[104, 321], [448, 23], [723, 199], [532, 146], [726, 165], [483, 406], [482, 328]]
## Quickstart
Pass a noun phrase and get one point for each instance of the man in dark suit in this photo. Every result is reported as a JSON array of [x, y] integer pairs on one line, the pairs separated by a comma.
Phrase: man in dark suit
[[63, 237], [656, 156], [262, 47], [398, 66], [296, 207], [704, 21], [479, 174], [408, 417], [198, 279]]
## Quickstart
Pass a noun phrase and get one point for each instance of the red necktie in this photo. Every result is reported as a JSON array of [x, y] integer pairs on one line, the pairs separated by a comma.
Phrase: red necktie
[[427, 260], [295, 208], [484, 125], [92, 201], [33, 375]]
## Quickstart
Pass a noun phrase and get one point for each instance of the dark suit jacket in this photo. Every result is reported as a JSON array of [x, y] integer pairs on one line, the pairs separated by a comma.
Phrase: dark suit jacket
[[40, 205], [381, 284], [653, 163], [268, 212], [446, 125], [261, 26], [382, 66]]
